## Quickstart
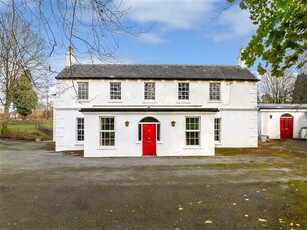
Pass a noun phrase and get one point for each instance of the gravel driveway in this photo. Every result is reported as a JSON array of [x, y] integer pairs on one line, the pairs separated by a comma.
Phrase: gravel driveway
[[42, 189]]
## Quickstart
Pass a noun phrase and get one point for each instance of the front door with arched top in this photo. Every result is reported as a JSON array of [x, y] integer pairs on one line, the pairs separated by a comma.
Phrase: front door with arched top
[[149, 139], [286, 126], [149, 134]]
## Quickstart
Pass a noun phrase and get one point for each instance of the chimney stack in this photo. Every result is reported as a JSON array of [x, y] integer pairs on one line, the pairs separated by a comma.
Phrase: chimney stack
[[70, 57], [241, 62]]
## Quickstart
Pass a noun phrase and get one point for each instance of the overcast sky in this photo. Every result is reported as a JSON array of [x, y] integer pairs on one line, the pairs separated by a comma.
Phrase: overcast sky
[[181, 32]]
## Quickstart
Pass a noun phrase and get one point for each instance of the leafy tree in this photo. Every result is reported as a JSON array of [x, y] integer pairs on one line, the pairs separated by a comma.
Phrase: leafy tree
[[276, 90], [280, 40], [300, 89], [25, 98]]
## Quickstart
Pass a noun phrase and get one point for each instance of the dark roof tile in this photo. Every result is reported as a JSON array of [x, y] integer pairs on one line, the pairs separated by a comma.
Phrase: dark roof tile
[[156, 72]]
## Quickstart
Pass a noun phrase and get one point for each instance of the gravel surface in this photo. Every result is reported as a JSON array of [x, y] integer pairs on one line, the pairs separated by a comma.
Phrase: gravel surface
[[43, 189]]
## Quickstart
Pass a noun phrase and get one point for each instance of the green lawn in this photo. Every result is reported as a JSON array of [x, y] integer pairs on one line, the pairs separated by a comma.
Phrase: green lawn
[[28, 131], [21, 127], [27, 127]]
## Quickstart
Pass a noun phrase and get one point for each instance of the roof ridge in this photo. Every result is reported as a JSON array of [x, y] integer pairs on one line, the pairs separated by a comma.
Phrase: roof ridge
[[123, 64]]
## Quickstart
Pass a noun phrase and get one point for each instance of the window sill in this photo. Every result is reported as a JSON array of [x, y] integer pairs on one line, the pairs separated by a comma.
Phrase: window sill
[[218, 143], [214, 101], [192, 147], [150, 102], [107, 148], [115, 101], [83, 101], [183, 102], [81, 143]]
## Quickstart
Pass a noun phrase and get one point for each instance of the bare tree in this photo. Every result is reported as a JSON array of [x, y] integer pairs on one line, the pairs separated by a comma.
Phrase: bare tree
[[86, 25], [20, 50], [45, 89], [277, 90], [300, 89]]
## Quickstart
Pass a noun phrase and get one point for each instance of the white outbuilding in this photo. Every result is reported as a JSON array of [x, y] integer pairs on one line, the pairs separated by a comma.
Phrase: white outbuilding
[[283, 121]]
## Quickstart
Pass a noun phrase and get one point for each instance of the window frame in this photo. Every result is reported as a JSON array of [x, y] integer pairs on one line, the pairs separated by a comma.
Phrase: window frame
[[188, 141], [183, 94], [83, 94], [81, 129], [115, 92], [214, 94], [102, 131], [149, 95], [217, 129]]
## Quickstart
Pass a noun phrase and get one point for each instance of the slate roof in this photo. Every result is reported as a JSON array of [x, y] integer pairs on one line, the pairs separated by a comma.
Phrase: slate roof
[[156, 72], [282, 106]]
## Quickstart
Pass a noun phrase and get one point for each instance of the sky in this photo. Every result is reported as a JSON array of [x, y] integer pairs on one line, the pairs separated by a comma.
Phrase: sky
[[191, 32]]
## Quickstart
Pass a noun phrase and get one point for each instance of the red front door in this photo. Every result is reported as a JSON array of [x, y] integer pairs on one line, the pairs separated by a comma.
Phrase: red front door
[[149, 139], [286, 127]]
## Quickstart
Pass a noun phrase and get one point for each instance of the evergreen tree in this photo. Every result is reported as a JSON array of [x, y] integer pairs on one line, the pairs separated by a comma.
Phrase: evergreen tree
[[25, 98]]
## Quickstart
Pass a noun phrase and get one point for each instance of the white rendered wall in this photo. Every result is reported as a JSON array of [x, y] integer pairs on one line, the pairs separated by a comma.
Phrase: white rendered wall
[[172, 141], [238, 129], [271, 126], [66, 130], [234, 94], [238, 110]]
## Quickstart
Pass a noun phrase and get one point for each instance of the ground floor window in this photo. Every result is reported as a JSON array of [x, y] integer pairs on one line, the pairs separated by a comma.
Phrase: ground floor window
[[80, 129], [217, 129], [107, 131], [192, 130]]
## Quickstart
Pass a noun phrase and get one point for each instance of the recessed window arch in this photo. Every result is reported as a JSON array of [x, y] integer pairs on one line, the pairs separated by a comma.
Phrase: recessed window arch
[[149, 120], [146, 120], [286, 115]]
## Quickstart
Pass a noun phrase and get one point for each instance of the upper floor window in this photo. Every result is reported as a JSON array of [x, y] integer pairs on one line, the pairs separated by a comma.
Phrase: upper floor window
[[149, 90], [115, 91], [215, 91], [192, 130], [107, 131], [217, 129], [183, 91], [80, 129], [83, 90]]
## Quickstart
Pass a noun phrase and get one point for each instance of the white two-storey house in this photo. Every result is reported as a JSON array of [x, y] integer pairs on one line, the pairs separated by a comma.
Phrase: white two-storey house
[[162, 110]]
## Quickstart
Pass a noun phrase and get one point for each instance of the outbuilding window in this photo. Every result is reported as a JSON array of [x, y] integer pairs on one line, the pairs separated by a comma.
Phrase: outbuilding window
[[83, 90], [183, 91], [107, 131], [217, 129], [215, 91], [149, 91], [115, 90], [192, 130], [80, 129]]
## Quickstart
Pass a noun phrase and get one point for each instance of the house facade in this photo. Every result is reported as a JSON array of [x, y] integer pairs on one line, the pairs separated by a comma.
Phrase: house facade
[[161, 110], [283, 121]]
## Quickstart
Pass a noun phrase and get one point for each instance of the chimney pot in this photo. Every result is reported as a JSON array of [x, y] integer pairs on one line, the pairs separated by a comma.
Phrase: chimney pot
[[70, 57]]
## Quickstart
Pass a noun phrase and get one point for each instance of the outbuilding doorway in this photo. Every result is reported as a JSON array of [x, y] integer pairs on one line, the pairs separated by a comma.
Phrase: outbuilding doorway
[[286, 126]]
